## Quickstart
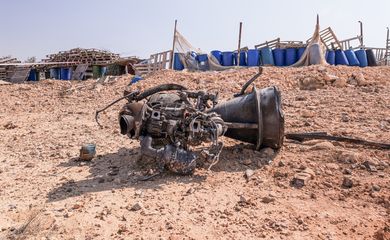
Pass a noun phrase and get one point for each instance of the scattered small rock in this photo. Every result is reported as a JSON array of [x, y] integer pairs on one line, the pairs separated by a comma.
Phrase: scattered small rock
[[10, 125], [138, 193], [29, 165], [347, 157], [248, 174], [332, 166], [344, 117], [347, 182], [370, 165], [76, 206], [279, 174], [136, 207], [310, 83], [357, 79], [340, 82], [330, 78], [300, 98], [300, 180], [190, 191], [244, 201], [267, 199], [307, 114], [322, 146], [376, 188], [347, 171]]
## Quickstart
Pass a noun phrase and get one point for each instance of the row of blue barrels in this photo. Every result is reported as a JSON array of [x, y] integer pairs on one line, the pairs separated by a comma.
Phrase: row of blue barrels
[[287, 56], [251, 57], [284, 57], [361, 57], [256, 57]]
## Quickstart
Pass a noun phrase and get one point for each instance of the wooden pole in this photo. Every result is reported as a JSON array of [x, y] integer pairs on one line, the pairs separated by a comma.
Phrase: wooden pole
[[173, 46], [361, 31], [239, 45], [387, 46]]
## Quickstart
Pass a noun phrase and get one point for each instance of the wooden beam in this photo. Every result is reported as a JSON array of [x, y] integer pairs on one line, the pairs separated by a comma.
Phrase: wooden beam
[[361, 32], [239, 45], [173, 46]]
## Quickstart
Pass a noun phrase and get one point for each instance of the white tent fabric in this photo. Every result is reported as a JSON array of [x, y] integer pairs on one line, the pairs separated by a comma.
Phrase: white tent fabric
[[188, 54], [315, 50]]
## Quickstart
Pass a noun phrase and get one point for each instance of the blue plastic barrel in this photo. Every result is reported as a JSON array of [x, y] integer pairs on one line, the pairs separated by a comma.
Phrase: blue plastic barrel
[[266, 56], [352, 59], [203, 61], [371, 59], [242, 58], [300, 52], [279, 55], [54, 73], [103, 71], [177, 64], [218, 55], [65, 74], [227, 59], [32, 76], [202, 57], [341, 59], [291, 56], [362, 57], [253, 57], [331, 57]]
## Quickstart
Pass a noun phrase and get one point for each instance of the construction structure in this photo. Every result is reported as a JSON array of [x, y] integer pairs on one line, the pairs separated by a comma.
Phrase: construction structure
[[74, 64], [7, 71]]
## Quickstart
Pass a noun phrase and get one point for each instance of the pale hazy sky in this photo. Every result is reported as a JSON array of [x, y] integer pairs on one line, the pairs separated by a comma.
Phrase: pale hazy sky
[[40, 27]]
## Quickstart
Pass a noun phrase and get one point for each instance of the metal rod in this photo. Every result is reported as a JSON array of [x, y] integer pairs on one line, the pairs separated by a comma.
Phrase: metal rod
[[323, 135], [173, 46], [239, 45]]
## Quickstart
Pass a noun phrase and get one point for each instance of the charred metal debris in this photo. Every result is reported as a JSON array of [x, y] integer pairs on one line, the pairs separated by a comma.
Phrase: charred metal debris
[[177, 127]]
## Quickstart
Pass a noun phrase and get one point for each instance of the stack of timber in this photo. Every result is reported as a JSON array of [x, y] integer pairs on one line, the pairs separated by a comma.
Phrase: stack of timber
[[83, 56], [8, 59]]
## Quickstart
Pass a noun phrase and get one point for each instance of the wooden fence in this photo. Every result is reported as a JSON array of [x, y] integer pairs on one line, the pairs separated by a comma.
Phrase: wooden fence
[[154, 63]]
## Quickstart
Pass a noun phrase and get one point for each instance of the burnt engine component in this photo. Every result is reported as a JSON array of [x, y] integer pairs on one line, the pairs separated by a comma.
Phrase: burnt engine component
[[176, 126], [255, 118], [170, 124]]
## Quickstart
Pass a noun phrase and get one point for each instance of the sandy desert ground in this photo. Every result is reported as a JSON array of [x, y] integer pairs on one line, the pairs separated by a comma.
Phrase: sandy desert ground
[[46, 193]]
